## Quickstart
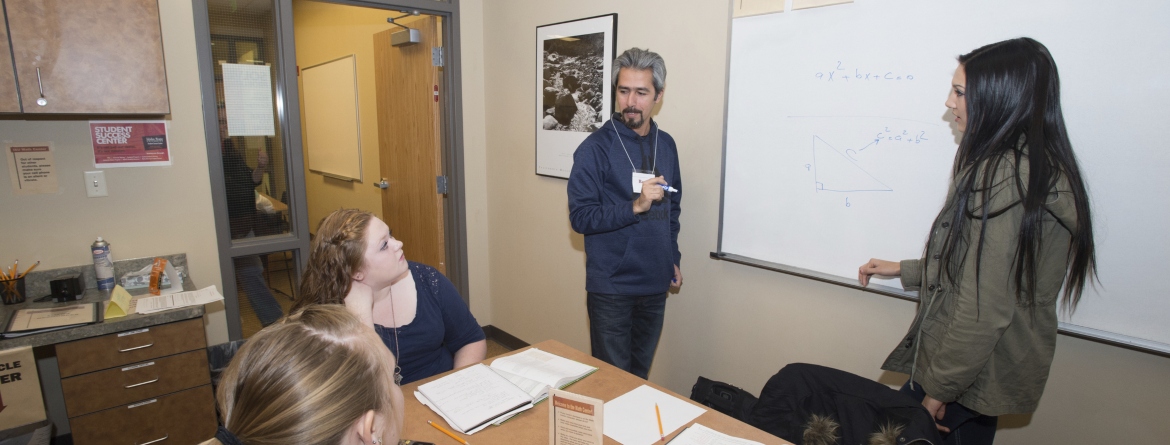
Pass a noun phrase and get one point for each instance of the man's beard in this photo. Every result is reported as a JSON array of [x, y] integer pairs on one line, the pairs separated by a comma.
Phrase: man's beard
[[634, 123]]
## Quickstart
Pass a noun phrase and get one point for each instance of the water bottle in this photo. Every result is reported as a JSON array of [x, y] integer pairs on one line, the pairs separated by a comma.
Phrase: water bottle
[[103, 264]]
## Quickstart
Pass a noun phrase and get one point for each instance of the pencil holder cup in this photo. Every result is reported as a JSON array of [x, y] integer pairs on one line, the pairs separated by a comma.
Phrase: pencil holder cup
[[12, 291]]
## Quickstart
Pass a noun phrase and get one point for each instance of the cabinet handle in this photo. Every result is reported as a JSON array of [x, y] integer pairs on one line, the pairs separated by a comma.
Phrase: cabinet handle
[[153, 441], [140, 384], [136, 347], [41, 101]]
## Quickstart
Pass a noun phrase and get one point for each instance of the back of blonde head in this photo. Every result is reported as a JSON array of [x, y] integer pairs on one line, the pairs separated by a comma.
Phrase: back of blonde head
[[306, 380]]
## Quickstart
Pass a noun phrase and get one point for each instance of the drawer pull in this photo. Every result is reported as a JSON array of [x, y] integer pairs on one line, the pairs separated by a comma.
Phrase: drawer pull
[[140, 384], [136, 347], [153, 441], [136, 405]]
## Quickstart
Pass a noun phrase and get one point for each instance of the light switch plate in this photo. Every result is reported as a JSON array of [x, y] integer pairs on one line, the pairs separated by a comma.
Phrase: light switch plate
[[95, 184]]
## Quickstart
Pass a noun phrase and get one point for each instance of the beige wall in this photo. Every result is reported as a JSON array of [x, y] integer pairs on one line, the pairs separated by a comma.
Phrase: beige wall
[[731, 322], [475, 161], [150, 210], [326, 32]]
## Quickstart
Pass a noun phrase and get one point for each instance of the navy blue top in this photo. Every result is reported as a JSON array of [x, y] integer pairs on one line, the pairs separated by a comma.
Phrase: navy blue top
[[442, 325], [625, 254]]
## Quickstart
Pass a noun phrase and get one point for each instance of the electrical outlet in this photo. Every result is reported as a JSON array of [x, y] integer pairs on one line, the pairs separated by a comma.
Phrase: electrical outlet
[[95, 184]]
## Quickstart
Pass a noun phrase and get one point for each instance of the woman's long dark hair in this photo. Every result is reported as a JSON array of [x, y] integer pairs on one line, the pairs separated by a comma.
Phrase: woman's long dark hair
[[1013, 93]]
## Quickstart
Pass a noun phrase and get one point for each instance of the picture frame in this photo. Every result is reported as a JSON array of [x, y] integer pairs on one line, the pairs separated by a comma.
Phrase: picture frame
[[574, 91]]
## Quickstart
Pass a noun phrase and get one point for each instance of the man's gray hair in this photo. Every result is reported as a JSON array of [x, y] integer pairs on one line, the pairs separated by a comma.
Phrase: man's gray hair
[[642, 59]]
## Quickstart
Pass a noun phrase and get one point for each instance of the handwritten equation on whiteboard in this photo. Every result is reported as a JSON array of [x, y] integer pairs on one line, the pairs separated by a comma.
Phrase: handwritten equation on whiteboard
[[841, 162], [842, 72]]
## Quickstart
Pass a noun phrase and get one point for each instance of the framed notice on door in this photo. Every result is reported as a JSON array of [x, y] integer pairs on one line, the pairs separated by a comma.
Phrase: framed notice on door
[[574, 91]]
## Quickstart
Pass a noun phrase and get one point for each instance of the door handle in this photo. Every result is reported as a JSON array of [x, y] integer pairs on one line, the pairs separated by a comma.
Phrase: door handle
[[41, 89], [383, 184]]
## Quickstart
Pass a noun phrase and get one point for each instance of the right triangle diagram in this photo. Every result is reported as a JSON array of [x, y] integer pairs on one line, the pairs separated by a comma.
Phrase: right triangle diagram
[[835, 172]]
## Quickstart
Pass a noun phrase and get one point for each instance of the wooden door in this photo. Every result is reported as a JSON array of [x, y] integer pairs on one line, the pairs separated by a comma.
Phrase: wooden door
[[94, 57], [9, 101], [409, 144]]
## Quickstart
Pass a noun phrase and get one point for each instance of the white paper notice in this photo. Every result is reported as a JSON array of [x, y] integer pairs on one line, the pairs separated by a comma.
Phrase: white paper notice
[[700, 435], [630, 418], [31, 169], [181, 299], [247, 91]]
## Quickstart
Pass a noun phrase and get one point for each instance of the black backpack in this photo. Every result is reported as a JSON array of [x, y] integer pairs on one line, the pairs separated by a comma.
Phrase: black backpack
[[722, 397]]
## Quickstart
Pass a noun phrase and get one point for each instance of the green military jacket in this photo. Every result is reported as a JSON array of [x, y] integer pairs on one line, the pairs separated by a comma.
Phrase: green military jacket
[[987, 351]]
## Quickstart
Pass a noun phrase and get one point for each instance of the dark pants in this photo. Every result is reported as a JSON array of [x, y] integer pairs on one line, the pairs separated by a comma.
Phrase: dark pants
[[624, 330], [967, 427]]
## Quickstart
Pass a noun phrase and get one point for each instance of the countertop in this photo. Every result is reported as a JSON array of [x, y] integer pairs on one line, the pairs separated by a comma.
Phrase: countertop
[[92, 295]]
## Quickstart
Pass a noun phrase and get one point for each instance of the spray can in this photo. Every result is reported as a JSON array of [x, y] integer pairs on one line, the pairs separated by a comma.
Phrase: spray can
[[103, 264]]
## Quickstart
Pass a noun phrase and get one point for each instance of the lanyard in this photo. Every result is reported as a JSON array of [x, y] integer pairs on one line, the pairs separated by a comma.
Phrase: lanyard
[[654, 165]]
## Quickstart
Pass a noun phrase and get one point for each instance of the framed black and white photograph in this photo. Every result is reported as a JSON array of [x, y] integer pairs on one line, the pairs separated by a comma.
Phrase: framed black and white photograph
[[574, 95]]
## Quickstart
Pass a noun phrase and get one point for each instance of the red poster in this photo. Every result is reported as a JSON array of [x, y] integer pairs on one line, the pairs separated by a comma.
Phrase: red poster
[[129, 143]]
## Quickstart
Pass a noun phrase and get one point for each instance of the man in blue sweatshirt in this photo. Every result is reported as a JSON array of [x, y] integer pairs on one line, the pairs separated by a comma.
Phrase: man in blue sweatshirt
[[624, 194]]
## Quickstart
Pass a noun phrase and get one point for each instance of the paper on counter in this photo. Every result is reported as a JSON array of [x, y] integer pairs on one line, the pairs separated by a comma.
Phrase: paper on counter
[[178, 300], [700, 435], [630, 418]]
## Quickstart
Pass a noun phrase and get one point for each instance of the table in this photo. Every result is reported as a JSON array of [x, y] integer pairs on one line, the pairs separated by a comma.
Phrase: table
[[531, 427]]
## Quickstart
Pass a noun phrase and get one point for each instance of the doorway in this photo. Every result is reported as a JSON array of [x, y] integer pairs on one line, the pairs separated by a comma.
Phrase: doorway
[[399, 155]]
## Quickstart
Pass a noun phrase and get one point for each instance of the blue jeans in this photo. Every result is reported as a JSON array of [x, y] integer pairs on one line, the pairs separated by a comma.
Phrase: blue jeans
[[250, 276], [624, 330], [967, 427]]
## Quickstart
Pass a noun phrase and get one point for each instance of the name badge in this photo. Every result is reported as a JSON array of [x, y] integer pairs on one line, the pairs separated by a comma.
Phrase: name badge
[[638, 178]]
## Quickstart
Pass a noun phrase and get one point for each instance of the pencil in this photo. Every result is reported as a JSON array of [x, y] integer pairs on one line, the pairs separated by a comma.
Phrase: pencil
[[658, 413], [444, 430], [30, 268]]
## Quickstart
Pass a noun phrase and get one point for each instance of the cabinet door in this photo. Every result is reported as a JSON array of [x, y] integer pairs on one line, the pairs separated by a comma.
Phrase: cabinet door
[[9, 101], [93, 57]]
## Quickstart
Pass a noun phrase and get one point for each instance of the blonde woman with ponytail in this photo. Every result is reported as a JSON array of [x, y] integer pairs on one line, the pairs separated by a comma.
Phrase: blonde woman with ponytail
[[319, 376]]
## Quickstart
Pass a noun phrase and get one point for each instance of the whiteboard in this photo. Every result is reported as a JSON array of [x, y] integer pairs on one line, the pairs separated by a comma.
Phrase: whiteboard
[[838, 147], [332, 130]]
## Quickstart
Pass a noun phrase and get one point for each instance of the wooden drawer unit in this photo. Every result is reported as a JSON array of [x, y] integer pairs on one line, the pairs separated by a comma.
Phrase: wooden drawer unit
[[96, 391], [124, 348], [186, 417]]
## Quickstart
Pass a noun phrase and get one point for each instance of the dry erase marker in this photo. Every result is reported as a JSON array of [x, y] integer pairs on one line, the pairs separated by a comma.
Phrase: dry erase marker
[[667, 188]]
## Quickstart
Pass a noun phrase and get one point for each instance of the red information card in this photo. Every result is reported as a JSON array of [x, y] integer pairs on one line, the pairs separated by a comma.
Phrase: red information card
[[129, 143]]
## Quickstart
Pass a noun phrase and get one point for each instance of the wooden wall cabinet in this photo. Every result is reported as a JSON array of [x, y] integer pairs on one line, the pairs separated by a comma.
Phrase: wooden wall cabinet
[[9, 101], [87, 57]]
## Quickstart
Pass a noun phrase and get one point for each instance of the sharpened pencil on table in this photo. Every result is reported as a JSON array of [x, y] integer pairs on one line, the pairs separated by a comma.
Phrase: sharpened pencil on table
[[444, 431]]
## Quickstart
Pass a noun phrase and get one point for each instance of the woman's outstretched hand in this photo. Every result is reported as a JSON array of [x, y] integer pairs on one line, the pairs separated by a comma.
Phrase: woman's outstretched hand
[[878, 267]]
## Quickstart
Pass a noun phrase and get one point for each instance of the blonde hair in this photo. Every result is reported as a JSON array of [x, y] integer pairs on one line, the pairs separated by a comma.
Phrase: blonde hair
[[335, 255], [306, 379]]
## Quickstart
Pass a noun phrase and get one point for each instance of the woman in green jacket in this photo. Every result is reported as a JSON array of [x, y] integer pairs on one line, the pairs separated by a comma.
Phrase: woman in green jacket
[[1014, 230]]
